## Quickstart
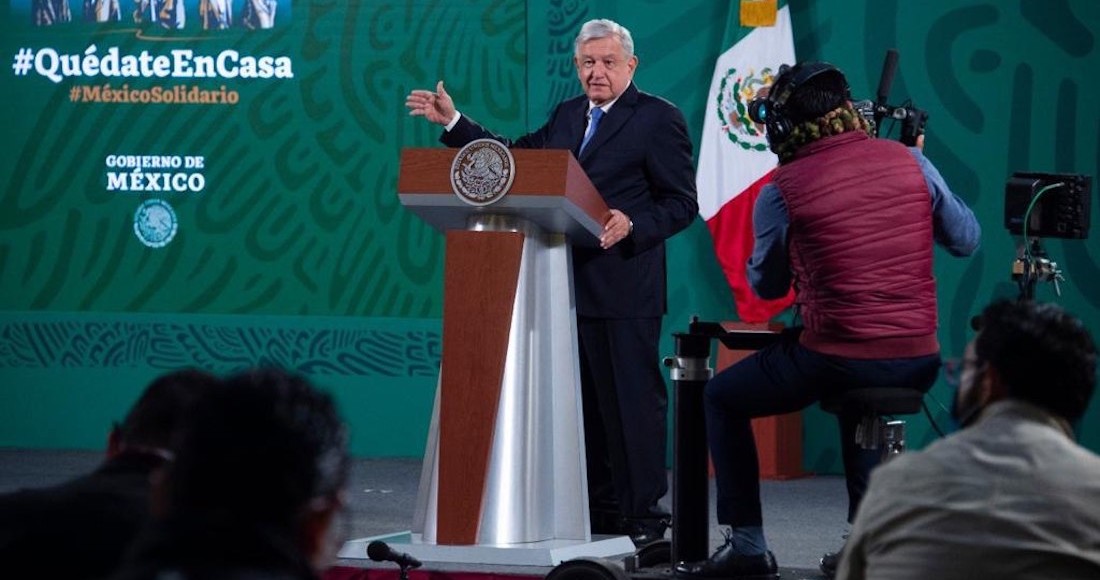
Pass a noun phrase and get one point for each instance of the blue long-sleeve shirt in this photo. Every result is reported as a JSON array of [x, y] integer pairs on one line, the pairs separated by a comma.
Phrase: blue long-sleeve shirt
[[769, 272]]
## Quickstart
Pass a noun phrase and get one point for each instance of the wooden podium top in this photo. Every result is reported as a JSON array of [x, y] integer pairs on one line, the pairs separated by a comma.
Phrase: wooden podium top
[[549, 189]]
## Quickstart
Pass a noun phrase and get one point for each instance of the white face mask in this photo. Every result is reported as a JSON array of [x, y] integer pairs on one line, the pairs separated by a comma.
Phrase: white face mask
[[969, 401]]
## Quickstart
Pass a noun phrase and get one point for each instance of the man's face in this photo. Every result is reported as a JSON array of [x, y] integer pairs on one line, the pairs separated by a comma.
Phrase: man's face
[[971, 397], [603, 68]]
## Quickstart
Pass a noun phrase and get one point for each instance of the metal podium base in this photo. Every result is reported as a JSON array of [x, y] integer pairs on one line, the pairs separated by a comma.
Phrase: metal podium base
[[545, 553]]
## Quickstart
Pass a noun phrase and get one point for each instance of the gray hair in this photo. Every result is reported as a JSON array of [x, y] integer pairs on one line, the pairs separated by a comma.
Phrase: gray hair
[[603, 28]]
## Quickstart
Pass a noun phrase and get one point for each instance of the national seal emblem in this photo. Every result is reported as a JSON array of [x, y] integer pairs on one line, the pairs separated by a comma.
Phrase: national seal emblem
[[155, 223], [735, 92], [482, 172]]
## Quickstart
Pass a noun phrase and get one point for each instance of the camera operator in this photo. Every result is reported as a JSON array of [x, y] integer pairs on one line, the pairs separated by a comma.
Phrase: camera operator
[[850, 220]]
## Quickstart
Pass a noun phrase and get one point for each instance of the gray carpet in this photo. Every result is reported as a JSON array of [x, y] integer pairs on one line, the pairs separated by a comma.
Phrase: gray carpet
[[802, 518]]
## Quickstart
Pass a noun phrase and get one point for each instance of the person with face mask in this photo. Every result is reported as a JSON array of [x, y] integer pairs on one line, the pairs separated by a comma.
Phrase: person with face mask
[[255, 489], [107, 508], [1011, 495], [635, 149]]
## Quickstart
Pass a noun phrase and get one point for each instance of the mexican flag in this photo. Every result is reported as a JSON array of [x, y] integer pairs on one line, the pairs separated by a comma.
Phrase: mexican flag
[[734, 160]]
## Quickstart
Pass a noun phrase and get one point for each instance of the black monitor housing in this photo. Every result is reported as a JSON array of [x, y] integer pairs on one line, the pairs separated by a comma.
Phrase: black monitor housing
[[1059, 204]]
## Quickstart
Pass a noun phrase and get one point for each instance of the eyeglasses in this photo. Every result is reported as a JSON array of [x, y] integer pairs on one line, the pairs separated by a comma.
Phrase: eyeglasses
[[953, 369]]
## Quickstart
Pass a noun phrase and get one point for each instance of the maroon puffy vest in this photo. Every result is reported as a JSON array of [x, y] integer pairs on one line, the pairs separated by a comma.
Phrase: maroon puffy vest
[[860, 244]]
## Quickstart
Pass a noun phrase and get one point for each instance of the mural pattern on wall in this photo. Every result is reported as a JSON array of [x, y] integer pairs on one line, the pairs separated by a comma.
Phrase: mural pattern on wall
[[221, 348], [564, 19], [278, 197]]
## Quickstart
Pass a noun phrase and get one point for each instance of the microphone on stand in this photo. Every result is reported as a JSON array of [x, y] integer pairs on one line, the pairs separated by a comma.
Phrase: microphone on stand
[[380, 551]]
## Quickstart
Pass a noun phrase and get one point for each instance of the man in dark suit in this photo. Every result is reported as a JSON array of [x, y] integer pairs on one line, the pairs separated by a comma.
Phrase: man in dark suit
[[635, 149], [81, 528]]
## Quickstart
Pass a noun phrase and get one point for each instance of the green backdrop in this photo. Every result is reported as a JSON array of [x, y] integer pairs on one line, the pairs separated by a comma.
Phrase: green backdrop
[[289, 245]]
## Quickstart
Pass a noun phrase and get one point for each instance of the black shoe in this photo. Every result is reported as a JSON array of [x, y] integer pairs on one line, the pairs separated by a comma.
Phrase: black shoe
[[606, 523], [644, 531], [829, 563], [725, 563]]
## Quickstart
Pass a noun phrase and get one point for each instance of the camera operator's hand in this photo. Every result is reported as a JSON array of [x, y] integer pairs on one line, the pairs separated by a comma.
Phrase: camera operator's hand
[[920, 142]]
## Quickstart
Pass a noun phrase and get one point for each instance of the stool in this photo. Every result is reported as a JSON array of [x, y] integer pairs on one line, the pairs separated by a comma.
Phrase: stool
[[872, 405]]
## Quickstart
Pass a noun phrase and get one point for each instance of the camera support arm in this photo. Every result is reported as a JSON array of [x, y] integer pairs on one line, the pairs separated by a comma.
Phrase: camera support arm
[[1031, 266]]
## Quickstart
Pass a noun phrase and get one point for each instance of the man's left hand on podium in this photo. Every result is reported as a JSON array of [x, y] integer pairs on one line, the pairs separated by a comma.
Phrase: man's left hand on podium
[[617, 227]]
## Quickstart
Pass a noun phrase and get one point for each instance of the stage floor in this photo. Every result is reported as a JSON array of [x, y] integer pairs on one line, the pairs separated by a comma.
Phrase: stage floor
[[803, 518]]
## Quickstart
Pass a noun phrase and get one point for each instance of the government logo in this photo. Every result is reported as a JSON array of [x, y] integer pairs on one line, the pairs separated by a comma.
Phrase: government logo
[[482, 172], [155, 223], [734, 94]]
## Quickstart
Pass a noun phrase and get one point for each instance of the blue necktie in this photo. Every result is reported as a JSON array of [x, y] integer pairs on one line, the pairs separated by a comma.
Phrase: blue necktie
[[596, 113]]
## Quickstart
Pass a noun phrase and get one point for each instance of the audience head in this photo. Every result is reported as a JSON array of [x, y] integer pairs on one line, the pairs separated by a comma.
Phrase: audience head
[[265, 449], [1031, 352], [160, 411]]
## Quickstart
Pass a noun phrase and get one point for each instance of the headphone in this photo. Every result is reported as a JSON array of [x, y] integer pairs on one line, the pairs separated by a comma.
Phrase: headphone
[[771, 109]]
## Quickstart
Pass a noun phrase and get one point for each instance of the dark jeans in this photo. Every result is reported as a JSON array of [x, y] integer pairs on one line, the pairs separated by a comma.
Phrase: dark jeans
[[782, 378]]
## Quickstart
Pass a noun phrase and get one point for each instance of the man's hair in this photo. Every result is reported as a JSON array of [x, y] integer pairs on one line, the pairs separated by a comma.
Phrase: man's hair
[[815, 97], [603, 28], [811, 101], [163, 407], [1044, 355], [260, 449]]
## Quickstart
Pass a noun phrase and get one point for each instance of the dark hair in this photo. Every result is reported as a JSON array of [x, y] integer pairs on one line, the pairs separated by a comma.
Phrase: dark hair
[[816, 96], [815, 105], [163, 407], [260, 449], [1044, 355]]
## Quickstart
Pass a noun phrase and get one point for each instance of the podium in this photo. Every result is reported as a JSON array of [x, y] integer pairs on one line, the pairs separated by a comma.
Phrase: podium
[[503, 479]]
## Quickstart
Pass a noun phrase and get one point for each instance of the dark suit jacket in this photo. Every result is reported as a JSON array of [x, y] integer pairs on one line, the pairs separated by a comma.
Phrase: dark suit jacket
[[78, 529], [640, 162], [197, 546]]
